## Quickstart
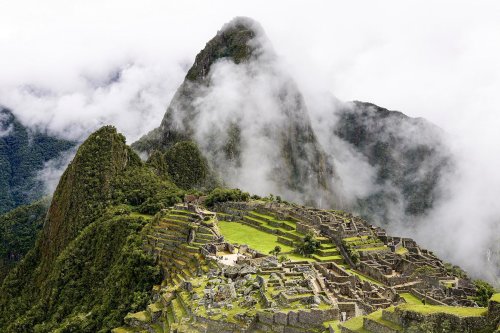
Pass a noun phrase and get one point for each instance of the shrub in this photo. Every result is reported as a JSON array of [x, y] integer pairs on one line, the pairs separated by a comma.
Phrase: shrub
[[308, 245], [224, 195]]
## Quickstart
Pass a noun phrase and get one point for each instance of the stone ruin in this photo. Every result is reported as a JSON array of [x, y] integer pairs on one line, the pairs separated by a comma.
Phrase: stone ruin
[[211, 285]]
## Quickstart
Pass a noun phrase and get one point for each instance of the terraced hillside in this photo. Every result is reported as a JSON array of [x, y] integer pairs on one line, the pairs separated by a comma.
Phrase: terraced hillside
[[219, 274], [423, 318]]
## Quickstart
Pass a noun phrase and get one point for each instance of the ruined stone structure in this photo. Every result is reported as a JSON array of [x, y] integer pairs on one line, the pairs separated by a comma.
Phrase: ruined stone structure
[[211, 285]]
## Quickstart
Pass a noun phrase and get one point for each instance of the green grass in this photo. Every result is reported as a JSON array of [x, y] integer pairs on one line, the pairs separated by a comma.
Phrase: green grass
[[378, 248], [355, 324], [141, 316], [123, 330], [259, 240], [355, 239], [496, 298], [335, 324], [454, 310], [377, 316], [363, 277], [411, 299], [239, 233], [326, 258], [147, 217], [267, 225], [402, 250]]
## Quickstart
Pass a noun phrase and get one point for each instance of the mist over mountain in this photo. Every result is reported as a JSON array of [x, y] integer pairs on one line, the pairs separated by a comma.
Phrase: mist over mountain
[[243, 110], [410, 158], [23, 155], [248, 118], [250, 121]]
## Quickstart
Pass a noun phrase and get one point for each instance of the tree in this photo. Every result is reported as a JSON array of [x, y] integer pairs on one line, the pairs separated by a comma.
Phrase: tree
[[484, 291], [308, 245], [275, 251]]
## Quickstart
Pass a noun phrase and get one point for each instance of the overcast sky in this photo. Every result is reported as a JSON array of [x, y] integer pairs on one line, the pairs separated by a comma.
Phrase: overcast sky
[[438, 61], [72, 66]]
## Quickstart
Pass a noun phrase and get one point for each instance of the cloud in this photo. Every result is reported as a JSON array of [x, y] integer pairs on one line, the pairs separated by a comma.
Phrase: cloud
[[53, 169], [5, 125]]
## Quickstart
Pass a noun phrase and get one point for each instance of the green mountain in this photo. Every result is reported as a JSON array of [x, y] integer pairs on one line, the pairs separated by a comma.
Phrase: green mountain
[[18, 231], [23, 153], [254, 132], [87, 268]]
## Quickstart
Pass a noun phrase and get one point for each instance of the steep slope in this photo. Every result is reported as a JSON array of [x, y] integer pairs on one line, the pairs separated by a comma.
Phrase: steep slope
[[88, 269], [409, 155], [23, 152], [18, 231], [247, 117]]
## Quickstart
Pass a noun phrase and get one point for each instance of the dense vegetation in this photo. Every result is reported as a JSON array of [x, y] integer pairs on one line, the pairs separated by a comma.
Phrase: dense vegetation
[[484, 292], [308, 245], [18, 231], [100, 276], [23, 153], [186, 165], [87, 269], [224, 195]]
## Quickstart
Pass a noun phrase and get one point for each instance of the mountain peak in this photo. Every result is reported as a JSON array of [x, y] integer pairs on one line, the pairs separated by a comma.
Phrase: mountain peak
[[237, 40], [86, 180]]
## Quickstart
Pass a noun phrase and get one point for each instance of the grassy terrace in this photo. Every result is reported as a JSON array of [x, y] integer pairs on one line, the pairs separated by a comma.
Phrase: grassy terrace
[[454, 310], [411, 299], [265, 239], [361, 275], [264, 242], [356, 325], [270, 218]]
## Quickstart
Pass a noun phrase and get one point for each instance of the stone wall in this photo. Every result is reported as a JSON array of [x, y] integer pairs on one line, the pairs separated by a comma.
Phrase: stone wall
[[301, 318], [457, 324]]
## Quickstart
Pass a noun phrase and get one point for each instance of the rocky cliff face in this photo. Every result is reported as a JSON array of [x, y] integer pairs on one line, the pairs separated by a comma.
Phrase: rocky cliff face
[[247, 117], [23, 153]]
